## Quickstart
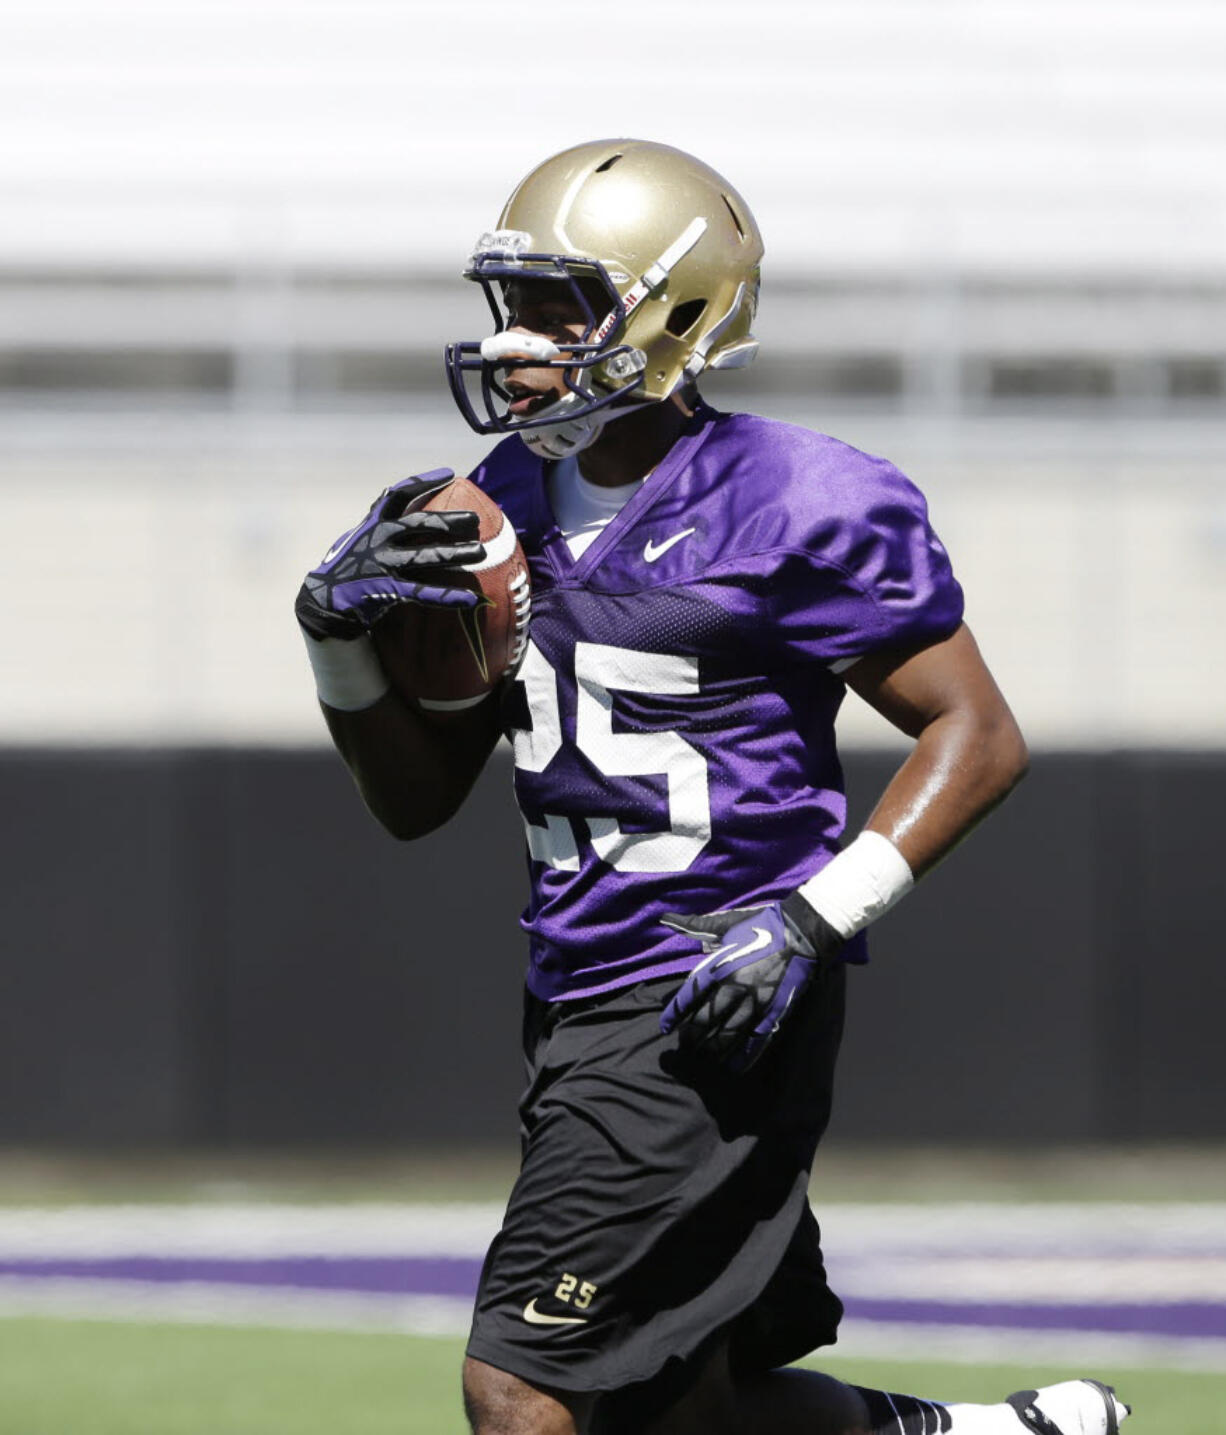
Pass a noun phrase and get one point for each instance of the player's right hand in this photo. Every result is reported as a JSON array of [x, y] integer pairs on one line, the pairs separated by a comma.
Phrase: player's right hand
[[397, 554], [756, 962]]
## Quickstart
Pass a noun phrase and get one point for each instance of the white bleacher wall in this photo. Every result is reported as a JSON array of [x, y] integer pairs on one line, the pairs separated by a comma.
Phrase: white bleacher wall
[[866, 133], [938, 182], [155, 588]]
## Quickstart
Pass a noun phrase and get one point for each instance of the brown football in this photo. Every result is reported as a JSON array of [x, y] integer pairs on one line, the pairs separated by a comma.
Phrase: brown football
[[443, 660]]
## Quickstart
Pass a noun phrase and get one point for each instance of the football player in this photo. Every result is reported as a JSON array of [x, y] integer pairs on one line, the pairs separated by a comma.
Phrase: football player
[[706, 586]]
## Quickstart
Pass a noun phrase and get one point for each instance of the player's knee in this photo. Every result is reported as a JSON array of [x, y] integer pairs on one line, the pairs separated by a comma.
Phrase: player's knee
[[498, 1403]]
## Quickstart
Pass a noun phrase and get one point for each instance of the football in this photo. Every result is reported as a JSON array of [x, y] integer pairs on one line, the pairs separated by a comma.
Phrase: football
[[443, 660]]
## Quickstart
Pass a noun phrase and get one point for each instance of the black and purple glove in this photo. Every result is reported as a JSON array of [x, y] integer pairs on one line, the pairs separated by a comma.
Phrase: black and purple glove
[[397, 554], [758, 961]]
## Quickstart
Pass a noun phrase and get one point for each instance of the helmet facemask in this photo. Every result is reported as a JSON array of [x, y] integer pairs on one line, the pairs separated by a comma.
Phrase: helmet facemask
[[601, 375]]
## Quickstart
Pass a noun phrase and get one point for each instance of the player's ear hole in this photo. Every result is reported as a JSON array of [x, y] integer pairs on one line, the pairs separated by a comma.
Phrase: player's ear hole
[[685, 316]]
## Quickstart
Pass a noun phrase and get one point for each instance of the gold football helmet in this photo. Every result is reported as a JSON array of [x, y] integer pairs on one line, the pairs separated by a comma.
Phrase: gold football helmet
[[667, 249]]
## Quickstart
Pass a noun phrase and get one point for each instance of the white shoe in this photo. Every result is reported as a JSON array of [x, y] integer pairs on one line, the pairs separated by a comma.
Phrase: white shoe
[[1074, 1407]]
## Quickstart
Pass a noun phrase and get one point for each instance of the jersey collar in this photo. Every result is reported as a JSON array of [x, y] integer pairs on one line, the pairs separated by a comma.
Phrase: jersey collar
[[674, 462]]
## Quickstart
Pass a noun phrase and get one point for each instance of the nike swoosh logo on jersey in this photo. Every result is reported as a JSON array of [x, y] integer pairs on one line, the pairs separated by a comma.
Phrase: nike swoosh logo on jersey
[[536, 1317], [658, 550], [762, 938]]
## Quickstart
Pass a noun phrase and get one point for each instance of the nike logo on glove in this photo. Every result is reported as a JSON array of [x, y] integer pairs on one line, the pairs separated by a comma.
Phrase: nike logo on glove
[[761, 938], [335, 550], [536, 1317], [721, 956], [658, 550]]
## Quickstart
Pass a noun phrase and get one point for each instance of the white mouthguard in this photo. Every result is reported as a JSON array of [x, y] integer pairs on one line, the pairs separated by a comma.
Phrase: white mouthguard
[[511, 346]]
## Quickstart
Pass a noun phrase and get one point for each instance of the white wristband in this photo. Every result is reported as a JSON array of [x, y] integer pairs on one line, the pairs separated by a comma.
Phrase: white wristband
[[861, 883], [348, 674]]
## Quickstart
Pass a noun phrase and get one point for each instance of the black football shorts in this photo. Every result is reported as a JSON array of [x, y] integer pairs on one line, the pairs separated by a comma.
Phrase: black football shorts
[[662, 1203]]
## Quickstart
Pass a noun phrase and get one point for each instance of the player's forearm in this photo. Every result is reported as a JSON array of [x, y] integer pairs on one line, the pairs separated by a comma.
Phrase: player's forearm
[[964, 763], [413, 771], [968, 754]]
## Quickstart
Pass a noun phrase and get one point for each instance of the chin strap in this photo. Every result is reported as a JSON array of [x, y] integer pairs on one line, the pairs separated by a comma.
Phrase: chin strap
[[551, 441], [560, 440], [555, 440]]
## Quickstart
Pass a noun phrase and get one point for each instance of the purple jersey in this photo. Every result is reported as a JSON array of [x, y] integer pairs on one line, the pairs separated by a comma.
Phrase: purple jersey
[[673, 719]]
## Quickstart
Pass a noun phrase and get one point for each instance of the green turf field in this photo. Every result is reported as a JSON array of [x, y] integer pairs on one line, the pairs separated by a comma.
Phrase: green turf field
[[87, 1378], [1167, 1172], [79, 1377]]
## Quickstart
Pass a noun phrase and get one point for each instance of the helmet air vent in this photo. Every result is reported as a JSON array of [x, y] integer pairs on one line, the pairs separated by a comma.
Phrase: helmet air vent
[[736, 218], [607, 165], [685, 316]]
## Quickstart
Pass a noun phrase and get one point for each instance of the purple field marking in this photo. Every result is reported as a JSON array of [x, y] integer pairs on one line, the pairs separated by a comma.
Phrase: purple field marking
[[1185, 1319], [457, 1277]]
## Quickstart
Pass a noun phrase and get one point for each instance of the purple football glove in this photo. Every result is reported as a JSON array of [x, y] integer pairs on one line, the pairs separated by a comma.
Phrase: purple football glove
[[397, 554], [758, 961]]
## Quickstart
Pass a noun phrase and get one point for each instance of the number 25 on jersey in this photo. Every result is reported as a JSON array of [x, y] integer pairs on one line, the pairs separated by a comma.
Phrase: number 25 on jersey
[[600, 671]]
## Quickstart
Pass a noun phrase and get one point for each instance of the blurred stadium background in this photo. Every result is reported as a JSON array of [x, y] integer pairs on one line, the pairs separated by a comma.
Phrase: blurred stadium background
[[229, 253]]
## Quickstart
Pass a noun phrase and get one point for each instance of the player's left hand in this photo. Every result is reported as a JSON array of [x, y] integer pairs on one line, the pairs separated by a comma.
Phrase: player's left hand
[[758, 961]]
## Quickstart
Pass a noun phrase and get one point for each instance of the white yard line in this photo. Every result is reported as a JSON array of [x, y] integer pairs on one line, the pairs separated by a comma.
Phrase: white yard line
[[1197, 1229], [1039, 1279], [241, 1230]]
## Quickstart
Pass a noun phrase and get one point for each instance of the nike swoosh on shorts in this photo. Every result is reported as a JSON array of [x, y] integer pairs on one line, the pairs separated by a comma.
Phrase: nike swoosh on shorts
[[536, 1317]]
